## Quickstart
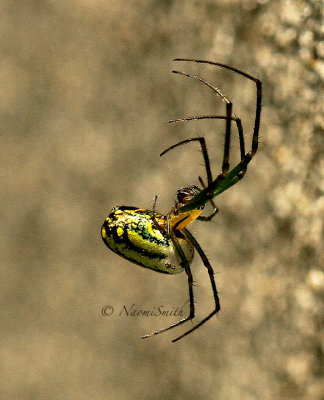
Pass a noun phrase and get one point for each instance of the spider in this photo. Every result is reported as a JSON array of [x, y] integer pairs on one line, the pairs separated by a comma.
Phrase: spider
[[163, 242]]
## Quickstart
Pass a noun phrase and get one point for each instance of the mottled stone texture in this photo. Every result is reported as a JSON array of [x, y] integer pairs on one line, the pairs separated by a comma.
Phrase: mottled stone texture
[[86, 91]]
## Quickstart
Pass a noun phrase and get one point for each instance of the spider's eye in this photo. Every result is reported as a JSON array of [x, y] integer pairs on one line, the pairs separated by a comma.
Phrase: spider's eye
[[186, 194]]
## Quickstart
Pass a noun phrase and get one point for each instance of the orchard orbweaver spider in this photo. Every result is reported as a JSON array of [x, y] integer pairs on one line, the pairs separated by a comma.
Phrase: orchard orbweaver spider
[[162, 242]]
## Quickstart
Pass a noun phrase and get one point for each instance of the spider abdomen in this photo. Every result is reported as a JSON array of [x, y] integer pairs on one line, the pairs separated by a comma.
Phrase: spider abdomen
[[133, 234]]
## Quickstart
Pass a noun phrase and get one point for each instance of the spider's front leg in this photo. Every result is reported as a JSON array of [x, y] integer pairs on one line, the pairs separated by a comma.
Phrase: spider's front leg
[[239, 171]]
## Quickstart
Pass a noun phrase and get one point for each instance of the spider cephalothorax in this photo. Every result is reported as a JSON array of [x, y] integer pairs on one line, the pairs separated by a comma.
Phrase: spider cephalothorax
[[178, 220]]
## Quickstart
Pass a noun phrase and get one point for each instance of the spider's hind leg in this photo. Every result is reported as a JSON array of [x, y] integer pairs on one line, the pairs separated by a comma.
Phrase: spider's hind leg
[[206, 262], [185, 264]]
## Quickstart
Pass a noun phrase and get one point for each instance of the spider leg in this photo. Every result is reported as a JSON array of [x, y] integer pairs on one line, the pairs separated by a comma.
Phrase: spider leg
[[199, 117], [204, 258], [238, 122], [221, 183], [255, 139], [185, 264], [225, 165], [212, 215], [204, 151]]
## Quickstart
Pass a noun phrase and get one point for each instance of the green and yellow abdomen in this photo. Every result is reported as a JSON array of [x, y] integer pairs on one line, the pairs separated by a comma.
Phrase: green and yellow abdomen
[[131, 233]]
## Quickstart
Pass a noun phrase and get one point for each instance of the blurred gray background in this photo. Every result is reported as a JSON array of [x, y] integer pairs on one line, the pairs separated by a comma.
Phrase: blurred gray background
[[86, 93]]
